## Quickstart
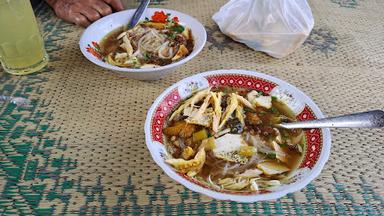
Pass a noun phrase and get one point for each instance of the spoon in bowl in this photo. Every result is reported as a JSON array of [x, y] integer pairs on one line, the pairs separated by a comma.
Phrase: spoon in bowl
[[370, 119], [137, 15]]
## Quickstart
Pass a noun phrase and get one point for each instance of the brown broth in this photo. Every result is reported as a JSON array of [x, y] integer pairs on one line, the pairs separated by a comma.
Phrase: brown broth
[[294, 158], [110, 43], [190, 43]]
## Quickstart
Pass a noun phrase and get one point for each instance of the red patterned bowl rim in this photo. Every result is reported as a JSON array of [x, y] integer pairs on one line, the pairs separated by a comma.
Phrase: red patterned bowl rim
[[318, 140]]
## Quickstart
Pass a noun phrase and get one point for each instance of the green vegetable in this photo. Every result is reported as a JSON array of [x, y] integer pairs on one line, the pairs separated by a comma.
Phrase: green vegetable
[[269, 155], [274, 110], [169, 18], [147, 56], [178, 28], [274, 98], [171, 36]]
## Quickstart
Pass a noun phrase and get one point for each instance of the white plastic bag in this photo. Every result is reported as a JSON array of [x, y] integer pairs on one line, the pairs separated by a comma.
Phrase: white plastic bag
[[277, 27]]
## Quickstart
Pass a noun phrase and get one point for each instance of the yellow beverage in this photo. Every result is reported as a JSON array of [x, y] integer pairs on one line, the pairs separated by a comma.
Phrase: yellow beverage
[[21, 45]]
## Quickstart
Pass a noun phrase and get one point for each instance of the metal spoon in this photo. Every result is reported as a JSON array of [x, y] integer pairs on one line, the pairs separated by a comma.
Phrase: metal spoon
[[137, 15], [18, 101], [370, 119]]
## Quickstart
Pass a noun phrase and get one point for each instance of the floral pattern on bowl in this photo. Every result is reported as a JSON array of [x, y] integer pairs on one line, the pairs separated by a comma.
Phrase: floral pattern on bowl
[[95, 50]]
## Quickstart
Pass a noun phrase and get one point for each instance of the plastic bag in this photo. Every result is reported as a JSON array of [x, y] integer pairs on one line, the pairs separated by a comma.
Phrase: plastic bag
[[276, 27]]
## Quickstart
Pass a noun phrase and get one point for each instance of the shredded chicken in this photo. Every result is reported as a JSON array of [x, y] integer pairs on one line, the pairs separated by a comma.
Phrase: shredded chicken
[[201, 116], [240, 115], [216, 98], [245, 102], [233, 103]]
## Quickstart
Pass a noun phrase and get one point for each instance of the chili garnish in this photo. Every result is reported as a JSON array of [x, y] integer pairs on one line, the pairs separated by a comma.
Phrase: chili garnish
[[159, 16]]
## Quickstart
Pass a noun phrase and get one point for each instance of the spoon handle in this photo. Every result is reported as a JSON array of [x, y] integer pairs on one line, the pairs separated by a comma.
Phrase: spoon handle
[[370, 119], [4, 98], [18, 101], [139, 11]]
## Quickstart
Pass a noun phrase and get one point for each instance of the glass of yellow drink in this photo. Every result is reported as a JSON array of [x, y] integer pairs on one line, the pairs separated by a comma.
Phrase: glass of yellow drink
[[21, 45]]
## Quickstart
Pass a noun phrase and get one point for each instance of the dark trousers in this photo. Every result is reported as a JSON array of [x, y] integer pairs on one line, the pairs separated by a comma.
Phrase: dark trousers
[[35, 3]]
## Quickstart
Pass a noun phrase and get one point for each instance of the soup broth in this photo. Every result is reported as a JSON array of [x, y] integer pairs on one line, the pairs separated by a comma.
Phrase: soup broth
[[110, 43], [151, 43], [227, 138]]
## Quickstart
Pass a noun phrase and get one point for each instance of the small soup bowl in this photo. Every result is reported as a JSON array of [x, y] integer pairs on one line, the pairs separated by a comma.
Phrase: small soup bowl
[[99, 29], [317, 141]]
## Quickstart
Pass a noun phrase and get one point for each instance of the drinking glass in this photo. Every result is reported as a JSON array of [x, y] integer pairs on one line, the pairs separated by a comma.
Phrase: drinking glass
[[21, 44]]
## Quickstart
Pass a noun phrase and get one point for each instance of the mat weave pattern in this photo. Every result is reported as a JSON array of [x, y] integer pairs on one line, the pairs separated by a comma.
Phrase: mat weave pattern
[[79, 147]]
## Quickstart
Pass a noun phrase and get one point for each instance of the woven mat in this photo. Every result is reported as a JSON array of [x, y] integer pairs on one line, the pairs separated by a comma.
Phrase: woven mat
[[79, 147]]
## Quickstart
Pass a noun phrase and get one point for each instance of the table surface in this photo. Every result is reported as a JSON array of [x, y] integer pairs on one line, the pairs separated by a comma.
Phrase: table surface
[[79, 147]]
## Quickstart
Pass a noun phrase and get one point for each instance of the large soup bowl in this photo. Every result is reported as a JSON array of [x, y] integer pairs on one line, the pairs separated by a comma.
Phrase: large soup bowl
[[99, 29], [317, 141]]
